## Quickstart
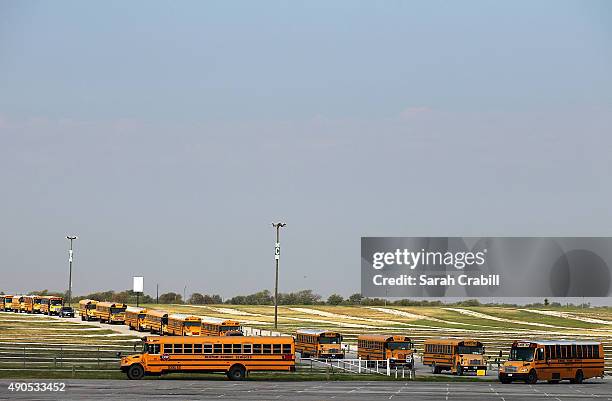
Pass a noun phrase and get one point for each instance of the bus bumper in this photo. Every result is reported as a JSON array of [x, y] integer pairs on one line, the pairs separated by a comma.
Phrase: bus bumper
[[331, 356], [473, 368], [512, 376]]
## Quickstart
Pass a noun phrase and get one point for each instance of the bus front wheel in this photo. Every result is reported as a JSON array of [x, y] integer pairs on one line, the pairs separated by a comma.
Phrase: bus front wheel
[[135, 372], [532, 377], [237, 372]]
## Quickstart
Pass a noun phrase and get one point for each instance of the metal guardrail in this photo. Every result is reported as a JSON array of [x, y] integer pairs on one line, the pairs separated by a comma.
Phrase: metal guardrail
[[360, 366]]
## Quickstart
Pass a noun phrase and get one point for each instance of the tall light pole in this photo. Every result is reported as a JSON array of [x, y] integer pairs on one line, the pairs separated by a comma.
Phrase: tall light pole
[[70, 238], [276, 258]]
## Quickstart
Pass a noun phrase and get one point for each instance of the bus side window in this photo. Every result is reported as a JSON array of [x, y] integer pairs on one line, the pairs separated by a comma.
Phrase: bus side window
[[188, 348], [257, 348], [286, 348], [540, 354], [167, 348], [178, 348], [267, 348], [247, 348], [237, 348], [217, 348], [153, 349], [208, 348], [276, 349], [227, 348], [197, 348]]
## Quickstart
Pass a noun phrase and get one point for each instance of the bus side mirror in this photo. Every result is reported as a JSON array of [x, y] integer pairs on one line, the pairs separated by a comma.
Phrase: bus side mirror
[[118, 354], [500, 354]]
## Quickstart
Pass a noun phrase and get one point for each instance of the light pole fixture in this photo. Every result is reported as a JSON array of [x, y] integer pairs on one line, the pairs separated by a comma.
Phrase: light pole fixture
[[70, 238], [278, 226]]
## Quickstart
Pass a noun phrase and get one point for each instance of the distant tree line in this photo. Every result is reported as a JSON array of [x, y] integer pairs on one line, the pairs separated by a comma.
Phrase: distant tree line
[[302, 297]]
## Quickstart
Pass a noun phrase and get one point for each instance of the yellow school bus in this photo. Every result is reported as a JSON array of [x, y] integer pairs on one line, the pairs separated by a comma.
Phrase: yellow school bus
[[457, 355], [32, 303], [110, 312], [212, 326], [135, 317], [87, 309], [233, 355], [318, 343], [554, 361], [51, 305], [156, 321], [184, 325], [8, 303], [22, 304], [17, 301], [398, 349]]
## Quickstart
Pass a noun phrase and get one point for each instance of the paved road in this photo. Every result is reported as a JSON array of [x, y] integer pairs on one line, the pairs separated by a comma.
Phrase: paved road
[[298, 391]]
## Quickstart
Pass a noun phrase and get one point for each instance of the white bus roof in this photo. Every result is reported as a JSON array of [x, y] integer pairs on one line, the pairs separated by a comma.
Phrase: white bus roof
[[181, 316], [314, 332], [214, 320], [561, 342]]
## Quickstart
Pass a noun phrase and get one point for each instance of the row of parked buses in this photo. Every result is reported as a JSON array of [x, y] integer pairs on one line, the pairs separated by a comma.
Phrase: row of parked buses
[[47, 305], [529, 361], [157, 321]]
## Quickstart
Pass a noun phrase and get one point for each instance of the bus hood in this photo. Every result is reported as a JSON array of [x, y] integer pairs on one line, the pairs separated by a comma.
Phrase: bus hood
[[131, 359], [471, 359], [515, 367]]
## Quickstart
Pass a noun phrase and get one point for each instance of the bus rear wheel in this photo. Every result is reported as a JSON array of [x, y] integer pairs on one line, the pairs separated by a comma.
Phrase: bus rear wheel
[[579, 378], [135, 372], [434, 369], [237, 372]]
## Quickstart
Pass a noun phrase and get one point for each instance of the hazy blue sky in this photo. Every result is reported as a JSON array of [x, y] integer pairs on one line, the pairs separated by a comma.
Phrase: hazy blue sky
[[169, 135]]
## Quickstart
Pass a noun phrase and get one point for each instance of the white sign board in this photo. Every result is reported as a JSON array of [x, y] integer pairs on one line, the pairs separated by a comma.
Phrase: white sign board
[[138, 284]]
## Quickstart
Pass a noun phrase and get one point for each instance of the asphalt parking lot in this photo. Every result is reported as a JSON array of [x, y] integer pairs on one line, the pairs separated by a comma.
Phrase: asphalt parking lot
[[297, 391]]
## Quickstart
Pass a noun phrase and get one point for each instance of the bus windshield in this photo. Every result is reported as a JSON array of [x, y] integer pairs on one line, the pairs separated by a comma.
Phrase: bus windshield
[[56, 302], [193, 324], [230, 328], [117, 310], [329, 340], [462, 349], [521, 354], [403, 345]]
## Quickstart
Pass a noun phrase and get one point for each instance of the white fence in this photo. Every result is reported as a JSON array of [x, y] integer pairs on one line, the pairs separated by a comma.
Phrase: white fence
[[362, 366]]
